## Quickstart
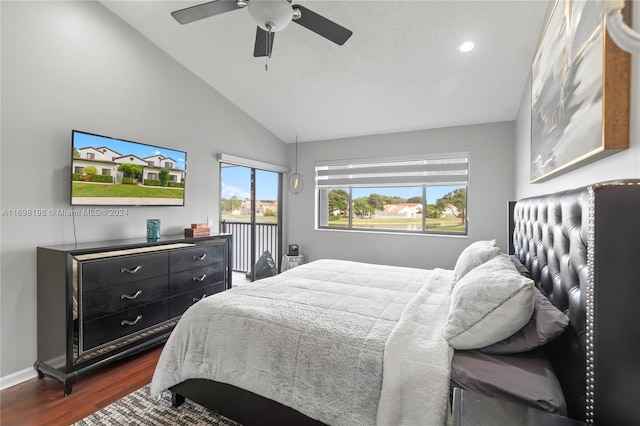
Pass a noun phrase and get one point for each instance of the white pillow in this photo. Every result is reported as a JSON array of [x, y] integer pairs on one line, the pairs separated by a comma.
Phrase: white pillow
[[473, 256], [489, 304]]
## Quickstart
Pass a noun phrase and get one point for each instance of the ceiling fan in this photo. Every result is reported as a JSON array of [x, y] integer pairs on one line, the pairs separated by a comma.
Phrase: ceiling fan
[[271, 16]]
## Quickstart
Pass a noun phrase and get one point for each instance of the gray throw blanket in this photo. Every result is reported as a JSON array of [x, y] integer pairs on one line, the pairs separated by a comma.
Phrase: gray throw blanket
[[312, 338]]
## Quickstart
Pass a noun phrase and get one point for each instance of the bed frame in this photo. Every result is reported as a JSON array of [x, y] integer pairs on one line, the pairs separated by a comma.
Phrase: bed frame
[[581, 247]]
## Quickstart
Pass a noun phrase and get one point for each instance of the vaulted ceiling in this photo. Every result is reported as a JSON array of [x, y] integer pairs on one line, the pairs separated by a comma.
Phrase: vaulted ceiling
[[400, 71]]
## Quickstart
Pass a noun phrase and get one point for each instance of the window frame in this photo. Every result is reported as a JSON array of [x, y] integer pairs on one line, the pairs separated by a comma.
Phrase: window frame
[[436, 180]]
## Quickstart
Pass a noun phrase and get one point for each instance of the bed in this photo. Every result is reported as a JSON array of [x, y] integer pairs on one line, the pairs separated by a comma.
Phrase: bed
[[336, 342]]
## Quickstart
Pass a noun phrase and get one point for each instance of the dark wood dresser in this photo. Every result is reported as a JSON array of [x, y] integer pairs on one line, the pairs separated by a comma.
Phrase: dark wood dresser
[[99, 302]]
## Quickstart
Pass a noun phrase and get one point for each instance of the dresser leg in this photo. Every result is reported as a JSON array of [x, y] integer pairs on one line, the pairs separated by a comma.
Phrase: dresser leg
[[67, 380], [67, 388], [36, 365]]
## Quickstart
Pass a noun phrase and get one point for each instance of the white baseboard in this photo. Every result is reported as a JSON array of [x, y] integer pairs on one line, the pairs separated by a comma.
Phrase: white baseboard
[[17, 378]]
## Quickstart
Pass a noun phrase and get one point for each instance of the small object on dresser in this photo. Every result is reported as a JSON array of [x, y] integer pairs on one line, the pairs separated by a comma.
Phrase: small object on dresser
[[197, 232], [153, 229], [199, 226]]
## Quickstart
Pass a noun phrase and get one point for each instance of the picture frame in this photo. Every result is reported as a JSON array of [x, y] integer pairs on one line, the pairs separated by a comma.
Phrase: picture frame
[[580, 91]]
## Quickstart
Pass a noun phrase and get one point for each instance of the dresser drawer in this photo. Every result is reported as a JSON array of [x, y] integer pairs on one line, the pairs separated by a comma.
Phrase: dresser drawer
[[97, 274], [179, 304], [121, 324], [198, 256], [114, 299], [193, 279]]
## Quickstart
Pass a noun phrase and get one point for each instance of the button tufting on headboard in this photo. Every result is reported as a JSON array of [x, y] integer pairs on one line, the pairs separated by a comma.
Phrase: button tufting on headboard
[[550, 239]]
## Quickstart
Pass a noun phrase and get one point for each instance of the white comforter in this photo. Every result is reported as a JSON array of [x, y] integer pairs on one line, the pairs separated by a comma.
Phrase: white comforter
[[345, 343]]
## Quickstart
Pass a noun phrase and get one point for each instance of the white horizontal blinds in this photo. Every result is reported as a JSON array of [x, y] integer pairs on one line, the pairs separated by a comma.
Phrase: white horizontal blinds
[[447, 170]]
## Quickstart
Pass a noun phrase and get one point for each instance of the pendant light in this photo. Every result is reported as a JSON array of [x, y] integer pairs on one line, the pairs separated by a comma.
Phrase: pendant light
[[295, 179]]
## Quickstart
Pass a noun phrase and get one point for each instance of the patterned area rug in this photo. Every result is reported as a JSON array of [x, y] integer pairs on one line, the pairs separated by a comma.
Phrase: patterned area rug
[[139, 408]]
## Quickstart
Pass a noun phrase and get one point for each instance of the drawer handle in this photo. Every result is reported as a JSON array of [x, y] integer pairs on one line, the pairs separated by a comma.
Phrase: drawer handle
[[134, 322], [131, 271], [131, 296], [199, 257], [197, 299], [199, 279]]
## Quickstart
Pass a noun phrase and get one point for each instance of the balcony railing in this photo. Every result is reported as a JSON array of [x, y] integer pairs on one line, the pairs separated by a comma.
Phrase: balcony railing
[[266, 240]]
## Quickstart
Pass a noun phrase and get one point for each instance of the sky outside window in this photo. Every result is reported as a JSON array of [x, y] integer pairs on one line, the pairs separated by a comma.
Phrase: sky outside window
[[236, 181]]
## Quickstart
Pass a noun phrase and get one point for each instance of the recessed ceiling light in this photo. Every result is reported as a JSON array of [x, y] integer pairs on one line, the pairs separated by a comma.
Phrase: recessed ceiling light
[[467, 46]]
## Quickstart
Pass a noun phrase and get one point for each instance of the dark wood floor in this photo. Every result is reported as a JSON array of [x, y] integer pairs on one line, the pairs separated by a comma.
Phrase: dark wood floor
[[41, 402]]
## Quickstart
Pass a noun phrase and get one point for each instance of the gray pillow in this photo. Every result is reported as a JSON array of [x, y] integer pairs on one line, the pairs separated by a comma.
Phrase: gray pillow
[[546, 323], [473, 256], [488, 304], [522, 270], [523, 378]]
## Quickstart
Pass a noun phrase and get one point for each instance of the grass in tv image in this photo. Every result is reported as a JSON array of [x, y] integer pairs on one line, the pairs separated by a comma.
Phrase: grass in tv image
[[107, 171]]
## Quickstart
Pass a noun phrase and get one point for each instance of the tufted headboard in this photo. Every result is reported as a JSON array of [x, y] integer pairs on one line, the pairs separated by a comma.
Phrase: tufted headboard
[[583, 250]]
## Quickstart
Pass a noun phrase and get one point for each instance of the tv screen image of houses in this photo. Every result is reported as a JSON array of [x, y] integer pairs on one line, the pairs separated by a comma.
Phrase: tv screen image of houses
[[108, 171]]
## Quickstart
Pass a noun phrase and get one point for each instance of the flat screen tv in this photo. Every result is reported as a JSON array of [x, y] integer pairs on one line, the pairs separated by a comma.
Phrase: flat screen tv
[[116, 172]]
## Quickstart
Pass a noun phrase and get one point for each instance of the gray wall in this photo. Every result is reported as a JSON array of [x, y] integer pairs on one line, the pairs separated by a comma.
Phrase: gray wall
[[490, 148], [75, 65], [624, 164]]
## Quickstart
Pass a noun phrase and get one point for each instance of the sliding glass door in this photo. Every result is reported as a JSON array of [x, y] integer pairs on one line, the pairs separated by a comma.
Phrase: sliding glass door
[[250, 200]]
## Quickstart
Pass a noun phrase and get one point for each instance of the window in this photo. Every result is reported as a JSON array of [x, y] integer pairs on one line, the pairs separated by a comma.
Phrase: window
[[168, 165], [106, 172], [425, 194], [91, 156]]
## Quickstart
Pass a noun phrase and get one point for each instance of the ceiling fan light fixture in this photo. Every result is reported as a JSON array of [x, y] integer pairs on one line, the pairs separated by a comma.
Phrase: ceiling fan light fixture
[[271, 15]]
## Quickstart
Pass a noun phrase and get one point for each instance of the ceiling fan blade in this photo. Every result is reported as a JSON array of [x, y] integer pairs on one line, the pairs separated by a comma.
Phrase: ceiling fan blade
[[260, 48], [322, 26], [204, 10]]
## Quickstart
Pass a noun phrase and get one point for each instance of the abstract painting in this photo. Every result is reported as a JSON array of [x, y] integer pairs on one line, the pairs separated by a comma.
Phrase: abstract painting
[[580, 91]]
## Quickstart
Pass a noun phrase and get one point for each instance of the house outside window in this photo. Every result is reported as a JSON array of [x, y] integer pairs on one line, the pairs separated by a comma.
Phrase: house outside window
[[425, 195]]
